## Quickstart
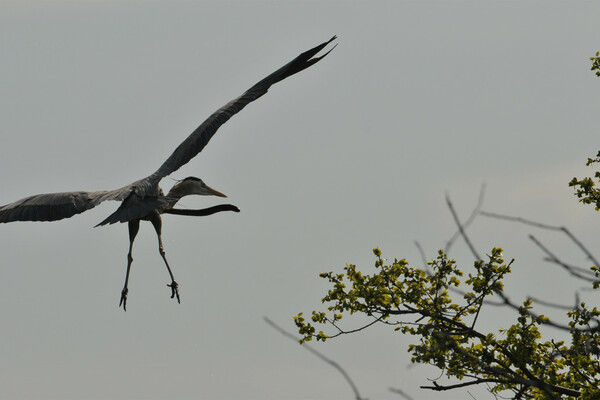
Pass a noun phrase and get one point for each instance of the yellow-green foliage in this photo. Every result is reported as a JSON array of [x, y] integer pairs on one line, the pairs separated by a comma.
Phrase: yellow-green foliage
[[419, 303], [596, 63]]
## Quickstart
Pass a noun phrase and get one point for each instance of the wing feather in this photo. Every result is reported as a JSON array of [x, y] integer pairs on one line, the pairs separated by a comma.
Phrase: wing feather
[[52, 206], [57, 206], [199, 138]]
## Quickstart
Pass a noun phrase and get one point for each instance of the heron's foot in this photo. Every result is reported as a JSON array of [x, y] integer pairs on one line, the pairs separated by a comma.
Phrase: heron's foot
[[123, 301], [174, 290]]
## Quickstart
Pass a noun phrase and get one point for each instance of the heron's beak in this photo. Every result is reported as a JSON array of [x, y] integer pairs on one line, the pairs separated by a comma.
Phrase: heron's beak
[[214, 192]]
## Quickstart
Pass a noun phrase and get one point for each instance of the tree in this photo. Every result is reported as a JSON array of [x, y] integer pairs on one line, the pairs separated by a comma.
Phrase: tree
[[440, 308], [586, 189], [596, 63], [419, 303]]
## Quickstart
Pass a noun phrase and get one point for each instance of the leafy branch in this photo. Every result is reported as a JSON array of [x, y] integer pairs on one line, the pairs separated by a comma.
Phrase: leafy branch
[[419, 304]]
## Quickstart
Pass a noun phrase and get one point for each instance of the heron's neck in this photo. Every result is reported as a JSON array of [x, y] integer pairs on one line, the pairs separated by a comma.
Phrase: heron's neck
[[177, 193]]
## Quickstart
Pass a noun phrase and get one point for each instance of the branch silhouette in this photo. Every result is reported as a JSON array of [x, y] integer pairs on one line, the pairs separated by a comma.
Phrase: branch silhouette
[[318, 354]]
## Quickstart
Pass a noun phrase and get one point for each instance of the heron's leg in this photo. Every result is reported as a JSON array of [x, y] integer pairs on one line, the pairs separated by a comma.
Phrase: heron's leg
[[134, 227], [157, 223]]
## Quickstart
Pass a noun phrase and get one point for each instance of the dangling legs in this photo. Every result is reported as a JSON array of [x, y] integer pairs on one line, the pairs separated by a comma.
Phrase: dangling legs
[[134, 227], [157, 223]]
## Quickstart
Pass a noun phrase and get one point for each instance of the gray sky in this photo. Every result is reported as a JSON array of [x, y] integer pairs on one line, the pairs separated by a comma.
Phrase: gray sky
[[418, 99]]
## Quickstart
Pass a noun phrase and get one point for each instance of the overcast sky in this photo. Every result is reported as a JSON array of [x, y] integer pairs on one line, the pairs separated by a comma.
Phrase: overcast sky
[[418, 100]]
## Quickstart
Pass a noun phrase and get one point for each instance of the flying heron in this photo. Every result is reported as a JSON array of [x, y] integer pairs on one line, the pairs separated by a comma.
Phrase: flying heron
[[144, 199]]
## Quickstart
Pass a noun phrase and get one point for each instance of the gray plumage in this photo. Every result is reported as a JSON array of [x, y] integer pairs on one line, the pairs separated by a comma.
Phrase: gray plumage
[[143, 199], [57, 206]]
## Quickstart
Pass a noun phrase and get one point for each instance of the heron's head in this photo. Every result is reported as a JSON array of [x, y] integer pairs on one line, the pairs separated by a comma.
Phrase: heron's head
[[193, 185]]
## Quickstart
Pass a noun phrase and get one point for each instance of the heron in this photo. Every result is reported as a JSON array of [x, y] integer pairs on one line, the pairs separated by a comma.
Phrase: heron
[[144, 199]]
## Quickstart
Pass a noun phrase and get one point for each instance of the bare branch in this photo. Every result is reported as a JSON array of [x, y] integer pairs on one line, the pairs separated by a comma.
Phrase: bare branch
[[318, 354], [550, 304], [461, 227], [553, 258], [563, 229], [521, 220], [401, 393], [474, 213], [583, 271], [423, 257], [437, 387], [589, 255], [343, 332]]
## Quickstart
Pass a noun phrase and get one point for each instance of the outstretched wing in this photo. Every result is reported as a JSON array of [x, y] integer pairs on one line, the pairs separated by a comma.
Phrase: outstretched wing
[[196, 141], [57, 206], [52, 206]]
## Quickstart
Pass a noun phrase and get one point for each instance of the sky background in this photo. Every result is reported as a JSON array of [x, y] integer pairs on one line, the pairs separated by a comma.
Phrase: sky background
[[418, 100]]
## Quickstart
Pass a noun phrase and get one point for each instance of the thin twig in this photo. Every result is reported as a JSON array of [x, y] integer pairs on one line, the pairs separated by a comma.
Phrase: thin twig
[[583, 271], [423, 258], [547, 322], [461, 228], [318, 354], [401, 393], [343, 332], [469, 220], [438, 387], [581, 246], [553, 258], [550, 304], [521, 220], [563, 229]]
